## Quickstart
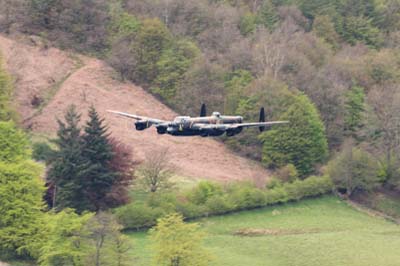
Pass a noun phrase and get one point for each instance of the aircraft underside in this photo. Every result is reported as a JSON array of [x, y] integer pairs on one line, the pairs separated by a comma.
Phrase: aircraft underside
[[191, 132]]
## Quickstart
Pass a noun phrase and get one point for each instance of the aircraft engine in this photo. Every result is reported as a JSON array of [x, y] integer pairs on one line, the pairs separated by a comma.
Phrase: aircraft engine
[[161, 129], [142, 125], [233, 132]]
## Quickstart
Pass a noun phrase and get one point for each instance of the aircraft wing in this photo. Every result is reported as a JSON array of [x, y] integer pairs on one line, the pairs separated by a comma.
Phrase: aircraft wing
[[238, 125], [153, 121], [259, 124]]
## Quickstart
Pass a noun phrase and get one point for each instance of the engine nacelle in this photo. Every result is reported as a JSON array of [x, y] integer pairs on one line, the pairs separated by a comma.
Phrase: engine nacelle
[[233, 132], [142, 125], [161, 129]]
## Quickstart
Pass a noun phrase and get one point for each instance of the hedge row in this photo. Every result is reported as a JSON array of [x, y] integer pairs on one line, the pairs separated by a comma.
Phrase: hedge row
[[212, 199]]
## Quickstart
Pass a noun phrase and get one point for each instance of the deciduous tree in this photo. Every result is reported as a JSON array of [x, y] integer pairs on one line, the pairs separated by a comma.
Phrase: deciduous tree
[[178, 244]]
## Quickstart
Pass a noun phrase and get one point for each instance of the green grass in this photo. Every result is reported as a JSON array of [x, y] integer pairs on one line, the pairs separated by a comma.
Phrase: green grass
[[323, 232], [388, 205]]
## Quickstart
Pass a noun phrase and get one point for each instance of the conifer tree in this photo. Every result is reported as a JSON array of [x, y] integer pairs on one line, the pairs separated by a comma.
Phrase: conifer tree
[[69, 167], [268, 15], [98, 152]]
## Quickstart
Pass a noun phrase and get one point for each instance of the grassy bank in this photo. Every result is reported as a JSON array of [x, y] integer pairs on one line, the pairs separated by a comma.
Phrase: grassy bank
[[324, 231]]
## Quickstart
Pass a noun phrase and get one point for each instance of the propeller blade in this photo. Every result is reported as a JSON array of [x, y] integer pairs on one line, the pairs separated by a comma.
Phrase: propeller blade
[[203, 111], [262, 118]]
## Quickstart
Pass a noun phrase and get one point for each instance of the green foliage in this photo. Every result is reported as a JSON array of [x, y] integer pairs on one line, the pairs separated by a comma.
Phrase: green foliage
[[302, 142], [151, 41], [65, 245], [42, 152], [353, 170], [248, 24], [267, 15], [138, 215], [203, 191], [288, 173], [172, 65], [235, 84], [21, 192], [5, 94], [179, 244], [98, 153], [361, 29], [122, 24], [354, 108], [325, 29], [211, 199], [69, 167], [14, 146], [85, 170]]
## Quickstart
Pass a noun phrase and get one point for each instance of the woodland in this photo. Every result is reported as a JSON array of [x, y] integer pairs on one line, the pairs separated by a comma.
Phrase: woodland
[[331, 68]]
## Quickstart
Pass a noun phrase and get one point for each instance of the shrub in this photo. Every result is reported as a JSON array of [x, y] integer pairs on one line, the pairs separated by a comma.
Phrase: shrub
[[276, 195], [219, 204], [203, 191], [288, 173], [42, 152], [191, 210], [138, 215], [245, 196]]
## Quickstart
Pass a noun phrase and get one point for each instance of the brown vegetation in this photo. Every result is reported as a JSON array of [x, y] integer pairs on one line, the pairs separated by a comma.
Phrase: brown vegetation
[[64, 78]]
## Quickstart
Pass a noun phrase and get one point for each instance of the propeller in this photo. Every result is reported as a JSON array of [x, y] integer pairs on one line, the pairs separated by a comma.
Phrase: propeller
[[203, 110], [262, 118]]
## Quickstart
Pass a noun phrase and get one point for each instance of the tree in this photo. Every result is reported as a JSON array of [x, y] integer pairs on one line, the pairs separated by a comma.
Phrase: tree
[[14, 146], [354, 109], [69, 167], [21, 192], [325, 29], [353, 170], [151, 41], [156, 171], [267, 15], [110, 246], [66, 239], [178, 244], [302, 142], [98, 154], [5, 93], [123, 164], [171, 67]]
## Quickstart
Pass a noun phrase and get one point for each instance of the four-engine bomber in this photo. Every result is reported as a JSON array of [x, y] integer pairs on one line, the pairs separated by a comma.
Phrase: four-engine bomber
[[214, 125]]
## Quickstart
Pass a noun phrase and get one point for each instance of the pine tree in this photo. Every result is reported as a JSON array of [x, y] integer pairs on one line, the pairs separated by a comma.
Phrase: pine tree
[[98, 152], [69, 168]]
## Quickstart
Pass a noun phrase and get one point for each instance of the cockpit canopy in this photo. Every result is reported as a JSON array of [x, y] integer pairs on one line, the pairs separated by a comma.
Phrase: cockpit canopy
[[181, 119], [216, 114]]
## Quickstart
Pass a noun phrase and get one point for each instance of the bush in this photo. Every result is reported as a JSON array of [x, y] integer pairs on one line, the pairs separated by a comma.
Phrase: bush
[[203, 191], [288, 173], [138, 215], [42, 152], [246, 196], [211, 199], [219, 204], [276, 195], [191, 210]]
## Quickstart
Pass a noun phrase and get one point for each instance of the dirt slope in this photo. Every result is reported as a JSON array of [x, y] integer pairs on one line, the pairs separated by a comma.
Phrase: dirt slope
[[61, 78]]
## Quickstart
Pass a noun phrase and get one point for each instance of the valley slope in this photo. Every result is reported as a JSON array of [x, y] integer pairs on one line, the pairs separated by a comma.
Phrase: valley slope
[[47, 80]]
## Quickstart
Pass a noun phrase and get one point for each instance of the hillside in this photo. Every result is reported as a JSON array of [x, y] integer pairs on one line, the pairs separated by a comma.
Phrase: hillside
[[47, 80]]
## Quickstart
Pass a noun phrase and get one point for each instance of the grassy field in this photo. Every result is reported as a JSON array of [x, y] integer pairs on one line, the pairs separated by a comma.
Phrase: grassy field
[[323, 232]]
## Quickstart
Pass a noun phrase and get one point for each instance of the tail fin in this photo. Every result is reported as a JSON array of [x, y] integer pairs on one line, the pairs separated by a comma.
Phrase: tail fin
[[262, 118], [203, 110]]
